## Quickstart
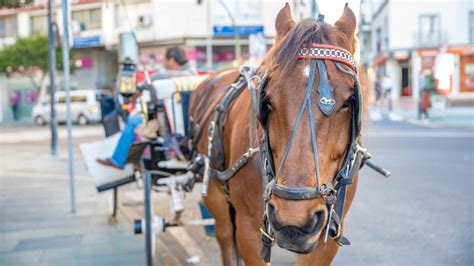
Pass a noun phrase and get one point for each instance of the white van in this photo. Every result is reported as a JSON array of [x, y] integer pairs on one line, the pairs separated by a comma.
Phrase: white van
[[85, 107]]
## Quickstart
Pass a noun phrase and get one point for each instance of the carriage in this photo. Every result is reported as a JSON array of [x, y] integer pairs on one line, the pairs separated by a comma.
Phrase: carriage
[[156, 163]]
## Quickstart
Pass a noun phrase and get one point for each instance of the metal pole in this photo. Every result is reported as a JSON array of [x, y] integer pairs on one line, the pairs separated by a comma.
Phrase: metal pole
[[66, 70], [209, 36], [237, 48], [314, 9], [52, 79]]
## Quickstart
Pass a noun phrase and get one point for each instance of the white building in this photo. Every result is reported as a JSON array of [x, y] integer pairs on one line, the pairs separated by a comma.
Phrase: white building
[[97, 27], [157, 24], [404, 39], [98, 24]]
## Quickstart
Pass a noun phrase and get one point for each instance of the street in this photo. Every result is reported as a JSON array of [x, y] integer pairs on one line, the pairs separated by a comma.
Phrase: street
[[421, 215]]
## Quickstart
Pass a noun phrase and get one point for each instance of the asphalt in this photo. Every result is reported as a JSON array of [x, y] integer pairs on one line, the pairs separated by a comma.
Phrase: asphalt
[[422, 215]]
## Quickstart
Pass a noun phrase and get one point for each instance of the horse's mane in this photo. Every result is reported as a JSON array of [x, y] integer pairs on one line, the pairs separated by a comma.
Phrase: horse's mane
[[304, 33]]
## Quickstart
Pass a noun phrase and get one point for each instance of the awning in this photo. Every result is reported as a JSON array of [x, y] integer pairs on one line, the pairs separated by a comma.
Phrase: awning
[[379, 60]]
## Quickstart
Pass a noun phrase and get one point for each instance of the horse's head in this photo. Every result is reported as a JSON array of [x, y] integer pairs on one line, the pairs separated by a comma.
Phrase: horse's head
[[306, 142]]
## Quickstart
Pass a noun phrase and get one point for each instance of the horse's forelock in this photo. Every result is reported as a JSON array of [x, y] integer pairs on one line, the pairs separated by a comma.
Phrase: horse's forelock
[[284, 55]]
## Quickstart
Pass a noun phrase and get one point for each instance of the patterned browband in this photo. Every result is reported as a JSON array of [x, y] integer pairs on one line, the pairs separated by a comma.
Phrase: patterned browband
[[330, 52]]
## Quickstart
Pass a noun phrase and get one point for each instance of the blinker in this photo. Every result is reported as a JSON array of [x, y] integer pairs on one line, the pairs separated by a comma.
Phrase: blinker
[[326, 100]]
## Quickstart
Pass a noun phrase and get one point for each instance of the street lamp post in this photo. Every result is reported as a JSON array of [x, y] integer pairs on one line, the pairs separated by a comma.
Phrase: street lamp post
[[236, 30], [209, 36], [66, 72], [52, 78]]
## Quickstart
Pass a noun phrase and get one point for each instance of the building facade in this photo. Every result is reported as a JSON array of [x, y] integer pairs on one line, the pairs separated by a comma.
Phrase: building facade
[[414, 41], [102, 31]]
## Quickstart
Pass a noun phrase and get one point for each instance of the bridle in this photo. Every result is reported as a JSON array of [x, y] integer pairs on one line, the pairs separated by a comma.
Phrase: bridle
[[332, 193]]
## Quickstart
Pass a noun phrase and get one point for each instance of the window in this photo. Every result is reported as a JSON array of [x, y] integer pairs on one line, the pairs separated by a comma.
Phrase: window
[[95, 18], [74, 99], [429, 30], [378, 40], [8, 26], [39, 25], [471, 26], [89, 19]]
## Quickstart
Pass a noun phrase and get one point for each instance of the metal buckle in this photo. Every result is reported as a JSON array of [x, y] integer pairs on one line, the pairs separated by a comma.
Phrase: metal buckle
[[271, 238], [328, 193]]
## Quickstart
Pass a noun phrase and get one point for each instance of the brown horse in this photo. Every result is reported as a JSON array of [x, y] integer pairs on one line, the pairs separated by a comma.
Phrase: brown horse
[[238, 205]]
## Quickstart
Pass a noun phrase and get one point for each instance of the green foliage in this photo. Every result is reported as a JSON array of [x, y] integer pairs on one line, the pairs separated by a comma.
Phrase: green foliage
[[15, 3], [28, 53]]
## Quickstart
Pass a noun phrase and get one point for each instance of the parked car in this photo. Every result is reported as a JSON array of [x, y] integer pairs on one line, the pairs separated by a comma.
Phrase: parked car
[[85, 107]]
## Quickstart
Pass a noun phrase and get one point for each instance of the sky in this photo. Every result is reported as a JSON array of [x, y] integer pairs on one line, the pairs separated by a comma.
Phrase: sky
[[332, 9]]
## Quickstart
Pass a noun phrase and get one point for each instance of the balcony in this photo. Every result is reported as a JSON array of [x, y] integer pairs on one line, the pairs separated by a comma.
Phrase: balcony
[[429, 39]]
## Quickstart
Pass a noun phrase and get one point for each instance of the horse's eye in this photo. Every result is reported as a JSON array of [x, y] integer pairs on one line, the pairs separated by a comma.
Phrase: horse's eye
[[348, 102], [269, 105], [264, 107]]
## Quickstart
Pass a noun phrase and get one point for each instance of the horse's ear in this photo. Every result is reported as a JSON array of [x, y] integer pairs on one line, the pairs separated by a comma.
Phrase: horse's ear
[[284, 22], [347, 23]]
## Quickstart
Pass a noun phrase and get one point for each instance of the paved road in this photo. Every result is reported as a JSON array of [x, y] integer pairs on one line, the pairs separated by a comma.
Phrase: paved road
[[422, 215]]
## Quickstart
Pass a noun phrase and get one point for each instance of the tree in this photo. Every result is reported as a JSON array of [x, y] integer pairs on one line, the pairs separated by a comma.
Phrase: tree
[[15, 3], [27, 56]]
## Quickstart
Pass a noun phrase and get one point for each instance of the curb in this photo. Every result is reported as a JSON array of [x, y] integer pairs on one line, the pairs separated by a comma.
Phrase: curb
[[379, 115]]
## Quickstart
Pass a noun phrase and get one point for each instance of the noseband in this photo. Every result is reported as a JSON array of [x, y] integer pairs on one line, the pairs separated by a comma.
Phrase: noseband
[[332, 193]]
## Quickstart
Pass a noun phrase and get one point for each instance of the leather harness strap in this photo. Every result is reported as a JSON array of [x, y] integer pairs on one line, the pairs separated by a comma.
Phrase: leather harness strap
[[215, 157], [203, 117]]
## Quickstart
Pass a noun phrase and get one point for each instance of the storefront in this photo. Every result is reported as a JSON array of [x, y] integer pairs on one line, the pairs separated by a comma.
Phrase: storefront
[[466, 77]]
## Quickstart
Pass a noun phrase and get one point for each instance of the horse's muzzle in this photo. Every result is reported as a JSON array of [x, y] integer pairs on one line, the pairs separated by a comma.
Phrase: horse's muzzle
[[301, 239]]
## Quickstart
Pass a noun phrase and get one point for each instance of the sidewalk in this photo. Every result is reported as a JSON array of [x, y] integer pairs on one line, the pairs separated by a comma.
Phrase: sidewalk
[[406, 110], [36, 225]]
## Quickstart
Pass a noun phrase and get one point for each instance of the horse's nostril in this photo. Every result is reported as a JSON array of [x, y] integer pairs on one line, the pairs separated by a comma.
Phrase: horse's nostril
[[277, 225], [315, 223], [319, 214], [319, 217]]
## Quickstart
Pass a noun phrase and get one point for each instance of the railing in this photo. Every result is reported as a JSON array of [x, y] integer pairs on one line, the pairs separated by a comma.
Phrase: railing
[[429, 39]]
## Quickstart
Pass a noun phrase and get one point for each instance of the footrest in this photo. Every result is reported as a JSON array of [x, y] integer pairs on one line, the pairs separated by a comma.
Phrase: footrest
[[104, 177]]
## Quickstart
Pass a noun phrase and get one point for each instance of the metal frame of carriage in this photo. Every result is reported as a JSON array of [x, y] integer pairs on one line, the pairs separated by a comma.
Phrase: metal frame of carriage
[[156, 174]]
